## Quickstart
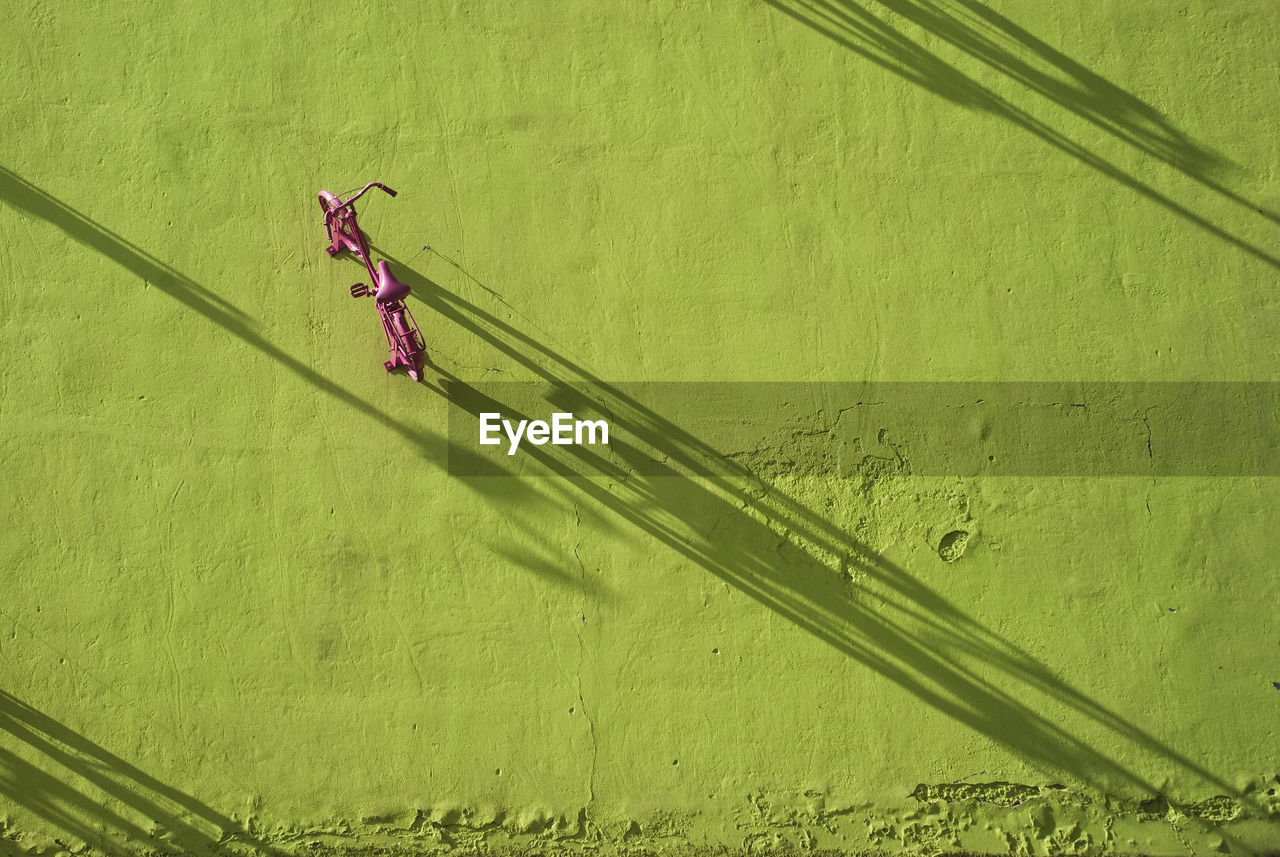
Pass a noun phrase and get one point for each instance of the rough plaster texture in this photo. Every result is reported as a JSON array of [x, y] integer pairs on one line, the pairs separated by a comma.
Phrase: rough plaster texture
[[247, 608]]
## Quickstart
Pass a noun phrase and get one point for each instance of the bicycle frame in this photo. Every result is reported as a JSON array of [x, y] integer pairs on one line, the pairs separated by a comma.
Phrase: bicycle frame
[[404, 339]]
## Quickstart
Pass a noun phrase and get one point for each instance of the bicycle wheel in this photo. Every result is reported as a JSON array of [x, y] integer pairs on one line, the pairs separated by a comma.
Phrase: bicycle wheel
[[328, 202]]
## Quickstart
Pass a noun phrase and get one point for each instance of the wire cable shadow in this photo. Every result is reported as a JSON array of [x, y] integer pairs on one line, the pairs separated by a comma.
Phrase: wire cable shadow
[[803, 567], [1002, 45], [149, 812]]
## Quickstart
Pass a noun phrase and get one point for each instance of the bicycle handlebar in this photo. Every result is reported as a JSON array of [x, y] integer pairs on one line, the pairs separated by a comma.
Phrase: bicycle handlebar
[[365, 190]]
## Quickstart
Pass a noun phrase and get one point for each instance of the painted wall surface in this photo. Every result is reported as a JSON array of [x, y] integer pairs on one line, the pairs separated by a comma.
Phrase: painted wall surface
[[248, 607]]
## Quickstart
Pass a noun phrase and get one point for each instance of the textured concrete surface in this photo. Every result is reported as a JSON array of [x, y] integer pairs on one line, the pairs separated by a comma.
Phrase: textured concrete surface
[[247, 608]]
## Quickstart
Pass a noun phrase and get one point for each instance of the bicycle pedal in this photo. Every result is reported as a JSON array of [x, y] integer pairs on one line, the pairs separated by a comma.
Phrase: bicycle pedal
[[359, 290]]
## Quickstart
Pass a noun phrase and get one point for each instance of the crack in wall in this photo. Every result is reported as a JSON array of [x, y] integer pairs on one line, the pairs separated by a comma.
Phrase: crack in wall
[[582, 702], [1151, 458]]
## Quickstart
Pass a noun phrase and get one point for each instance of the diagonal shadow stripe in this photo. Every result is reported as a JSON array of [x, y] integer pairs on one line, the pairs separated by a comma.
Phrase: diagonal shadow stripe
[[25, 197], [1087, 95]]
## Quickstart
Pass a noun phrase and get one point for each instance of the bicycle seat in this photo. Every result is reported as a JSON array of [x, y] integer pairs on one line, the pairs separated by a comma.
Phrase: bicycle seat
[[389, 288]]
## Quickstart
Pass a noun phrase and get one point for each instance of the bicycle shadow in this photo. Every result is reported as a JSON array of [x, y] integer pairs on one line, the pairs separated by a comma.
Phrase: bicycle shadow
[[998, 43], [771, 548], [23, 196], [150, 812]]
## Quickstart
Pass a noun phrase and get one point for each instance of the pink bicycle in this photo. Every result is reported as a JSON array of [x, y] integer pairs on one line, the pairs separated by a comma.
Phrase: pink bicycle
[[403, 337]]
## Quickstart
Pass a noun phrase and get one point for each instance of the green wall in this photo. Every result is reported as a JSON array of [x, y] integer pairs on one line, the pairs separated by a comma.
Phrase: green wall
[[246, 605]]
